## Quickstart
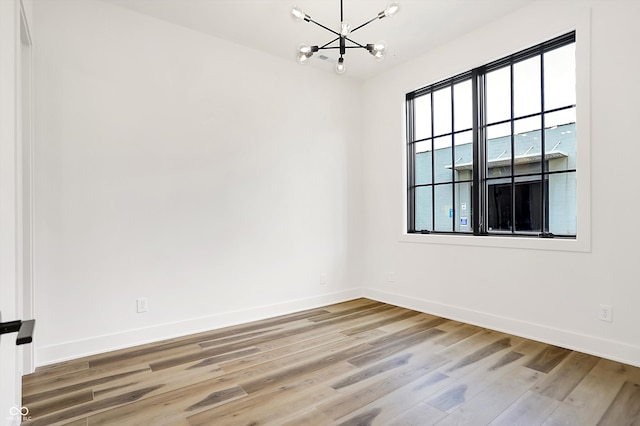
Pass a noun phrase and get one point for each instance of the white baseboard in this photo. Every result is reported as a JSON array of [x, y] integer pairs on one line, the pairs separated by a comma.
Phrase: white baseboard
[[610, 349], [604, 348], [105, 343]]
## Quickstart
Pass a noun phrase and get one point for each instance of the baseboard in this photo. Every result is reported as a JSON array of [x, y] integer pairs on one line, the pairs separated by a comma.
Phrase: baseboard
[[105, 343], [615, 350]]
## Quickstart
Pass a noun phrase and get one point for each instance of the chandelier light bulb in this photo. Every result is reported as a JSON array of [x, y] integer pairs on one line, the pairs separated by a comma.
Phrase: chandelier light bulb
[[345, 29], [392, 9], [304, 49], [297, 13], [303, 53], [340, 67], [379, 50]]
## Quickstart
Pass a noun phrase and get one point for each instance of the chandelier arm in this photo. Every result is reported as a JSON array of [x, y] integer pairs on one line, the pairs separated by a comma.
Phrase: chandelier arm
[[324, 46], [366, 23], [357, 45], [354, 42], [326, 28]]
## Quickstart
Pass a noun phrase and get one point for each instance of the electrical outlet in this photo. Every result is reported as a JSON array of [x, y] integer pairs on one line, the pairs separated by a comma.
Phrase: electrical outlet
[[323, 278], [142, 305], [391, 277], [605, 313]]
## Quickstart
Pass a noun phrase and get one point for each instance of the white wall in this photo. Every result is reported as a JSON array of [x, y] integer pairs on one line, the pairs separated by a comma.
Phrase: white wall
[[216, 181], [552, 296]]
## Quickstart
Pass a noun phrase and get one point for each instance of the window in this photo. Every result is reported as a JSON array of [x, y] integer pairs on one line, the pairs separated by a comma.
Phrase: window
[[493, 151]]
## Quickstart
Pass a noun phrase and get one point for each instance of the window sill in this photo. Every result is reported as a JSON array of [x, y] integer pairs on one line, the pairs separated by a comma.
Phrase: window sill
[[528, 243]]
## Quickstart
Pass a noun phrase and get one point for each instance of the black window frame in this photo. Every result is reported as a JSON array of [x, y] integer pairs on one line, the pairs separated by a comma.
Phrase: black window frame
[[480, 182]]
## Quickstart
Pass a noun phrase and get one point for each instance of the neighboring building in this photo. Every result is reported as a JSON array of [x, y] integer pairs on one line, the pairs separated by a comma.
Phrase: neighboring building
[[454, 199]]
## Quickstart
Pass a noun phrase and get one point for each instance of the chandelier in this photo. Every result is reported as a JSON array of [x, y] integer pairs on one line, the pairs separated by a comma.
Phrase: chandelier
[[344, 42]]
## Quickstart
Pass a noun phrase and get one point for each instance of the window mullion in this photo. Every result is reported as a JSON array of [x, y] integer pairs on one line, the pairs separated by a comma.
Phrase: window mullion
[[411, 176], [479, 154], [544, 167], [513, 150], [453, 162], [433, 167]]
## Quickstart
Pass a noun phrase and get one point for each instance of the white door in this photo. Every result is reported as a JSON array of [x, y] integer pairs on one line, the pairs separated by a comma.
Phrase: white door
[[15, 201], [25, 185]]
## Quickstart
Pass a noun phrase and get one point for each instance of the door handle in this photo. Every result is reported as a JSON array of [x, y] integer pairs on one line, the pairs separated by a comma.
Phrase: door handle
[[24, 329]]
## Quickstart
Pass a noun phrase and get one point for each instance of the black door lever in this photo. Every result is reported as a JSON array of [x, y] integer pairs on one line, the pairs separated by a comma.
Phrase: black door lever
[[24, 329]]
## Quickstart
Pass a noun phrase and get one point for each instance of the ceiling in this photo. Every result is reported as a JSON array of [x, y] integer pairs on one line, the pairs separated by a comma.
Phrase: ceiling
[[267, 25]]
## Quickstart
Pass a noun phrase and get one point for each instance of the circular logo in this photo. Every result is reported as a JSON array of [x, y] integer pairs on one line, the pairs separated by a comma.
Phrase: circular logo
[[15, 411]]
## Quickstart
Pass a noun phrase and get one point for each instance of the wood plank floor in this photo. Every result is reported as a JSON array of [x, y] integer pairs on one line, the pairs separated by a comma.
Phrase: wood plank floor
[[356, 363]]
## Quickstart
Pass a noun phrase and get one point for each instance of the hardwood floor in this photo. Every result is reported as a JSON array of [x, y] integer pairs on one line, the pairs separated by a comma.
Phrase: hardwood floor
[[356, 363]]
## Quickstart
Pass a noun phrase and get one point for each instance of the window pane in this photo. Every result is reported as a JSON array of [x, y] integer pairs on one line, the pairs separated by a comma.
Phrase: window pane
[[463, 207], [499, 207], [463, 138], [424, 146], [463, 106], [423, 167], [526, 87], [560, 77], [559, 118], [528, 145], [422, 118], [424, 211], [498, 94], [499, 150], [560, 147], [525, 125], [498, 130], [442, 111], [528, 206], [444, 208], [443, 169], [463, 155], [562, 203]]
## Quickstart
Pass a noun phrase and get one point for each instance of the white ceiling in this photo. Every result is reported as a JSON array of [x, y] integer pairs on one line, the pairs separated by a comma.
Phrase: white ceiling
[[267, 25]]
